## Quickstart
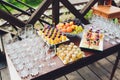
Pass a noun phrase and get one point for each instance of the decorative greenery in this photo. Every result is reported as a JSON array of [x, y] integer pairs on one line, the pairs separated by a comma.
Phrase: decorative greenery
[[115, 20], [89, 15], [32, 3]]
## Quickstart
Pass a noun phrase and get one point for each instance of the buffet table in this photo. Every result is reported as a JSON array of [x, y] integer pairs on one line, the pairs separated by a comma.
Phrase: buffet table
[[49, 72], [61, 69]]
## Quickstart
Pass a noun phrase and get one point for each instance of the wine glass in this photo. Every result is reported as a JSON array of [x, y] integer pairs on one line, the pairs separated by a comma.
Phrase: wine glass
[[34, 71], [29, 30], [51, 62], [24, 73]]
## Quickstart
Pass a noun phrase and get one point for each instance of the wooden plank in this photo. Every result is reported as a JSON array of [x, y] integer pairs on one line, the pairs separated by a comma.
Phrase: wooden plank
[[5, 74], [88, 74], [13, 73], [6, 31], [74, 76], [112, 59], [108, 66], [98, 70], [2, 22], [61, 78]]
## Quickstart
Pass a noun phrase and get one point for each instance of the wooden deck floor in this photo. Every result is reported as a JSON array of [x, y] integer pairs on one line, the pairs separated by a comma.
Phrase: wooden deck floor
[[97, 71]]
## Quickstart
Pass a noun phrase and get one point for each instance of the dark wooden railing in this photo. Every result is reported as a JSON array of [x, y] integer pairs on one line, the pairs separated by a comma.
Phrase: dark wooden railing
[[36, 14]]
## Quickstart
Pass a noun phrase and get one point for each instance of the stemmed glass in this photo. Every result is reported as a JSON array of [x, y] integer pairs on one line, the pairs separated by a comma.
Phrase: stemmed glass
[[28, 54], [24, 73], [117, 33], [29, 30], [51, 62], [108, 27], [22, 33]]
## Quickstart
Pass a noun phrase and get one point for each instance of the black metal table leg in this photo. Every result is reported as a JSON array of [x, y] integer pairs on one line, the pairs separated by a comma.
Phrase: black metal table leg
[[115, 66]]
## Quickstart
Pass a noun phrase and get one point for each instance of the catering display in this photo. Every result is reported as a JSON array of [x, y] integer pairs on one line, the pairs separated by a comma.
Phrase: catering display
[[109, 28], [71, 27], [69, 53], [33, 56], [52, 36], [57, 50], [30, 56], [92, 39]]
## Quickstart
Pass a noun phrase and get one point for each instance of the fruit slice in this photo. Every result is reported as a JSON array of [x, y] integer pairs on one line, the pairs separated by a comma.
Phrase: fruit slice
[[69, 29]]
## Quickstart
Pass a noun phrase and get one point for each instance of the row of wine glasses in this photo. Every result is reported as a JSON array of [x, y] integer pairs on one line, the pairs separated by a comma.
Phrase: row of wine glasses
[[30, 55], [108, 27], [28, 31]]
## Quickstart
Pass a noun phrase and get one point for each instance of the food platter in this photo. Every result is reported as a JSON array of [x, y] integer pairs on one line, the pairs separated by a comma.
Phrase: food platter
[[92, 40], [52, 36], [71, 28], [69, 53]]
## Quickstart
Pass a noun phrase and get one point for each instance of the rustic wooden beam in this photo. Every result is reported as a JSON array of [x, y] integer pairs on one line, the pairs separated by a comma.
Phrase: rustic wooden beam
[[55, 11], [73, 10], [88, 7], [11, 19], [36, 15]]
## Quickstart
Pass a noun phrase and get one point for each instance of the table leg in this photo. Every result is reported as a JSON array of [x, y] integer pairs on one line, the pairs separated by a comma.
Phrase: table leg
[[115, 66]]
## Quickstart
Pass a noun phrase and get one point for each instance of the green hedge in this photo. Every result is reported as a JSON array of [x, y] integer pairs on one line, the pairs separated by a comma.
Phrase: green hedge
[[32, 3]]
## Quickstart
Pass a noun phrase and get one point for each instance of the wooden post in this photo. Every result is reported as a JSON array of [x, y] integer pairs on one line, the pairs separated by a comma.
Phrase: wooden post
[[55, 11]]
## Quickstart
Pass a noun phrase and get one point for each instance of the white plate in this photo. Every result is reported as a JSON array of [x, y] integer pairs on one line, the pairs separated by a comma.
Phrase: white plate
[[93, 47]]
